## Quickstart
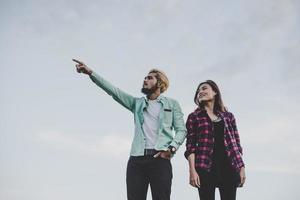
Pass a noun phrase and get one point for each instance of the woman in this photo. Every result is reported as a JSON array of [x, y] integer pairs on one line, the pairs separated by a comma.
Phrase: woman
[[213, 146]]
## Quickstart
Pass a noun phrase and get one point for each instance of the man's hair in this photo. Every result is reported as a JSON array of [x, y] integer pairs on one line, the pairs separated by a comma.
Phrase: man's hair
[[162, 79]]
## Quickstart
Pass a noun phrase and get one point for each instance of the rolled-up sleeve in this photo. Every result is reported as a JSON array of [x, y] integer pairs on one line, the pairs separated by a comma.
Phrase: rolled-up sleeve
[[236, 133], [191, 136]]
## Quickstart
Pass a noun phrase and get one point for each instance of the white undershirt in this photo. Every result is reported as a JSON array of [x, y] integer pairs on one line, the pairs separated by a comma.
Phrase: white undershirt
[[151, 123]]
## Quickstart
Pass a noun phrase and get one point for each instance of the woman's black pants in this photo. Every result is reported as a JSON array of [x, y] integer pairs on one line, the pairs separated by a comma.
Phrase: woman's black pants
[[227, 192]]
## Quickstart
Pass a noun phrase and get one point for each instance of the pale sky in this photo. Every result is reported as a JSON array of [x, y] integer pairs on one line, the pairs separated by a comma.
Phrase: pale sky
[[62, 137]]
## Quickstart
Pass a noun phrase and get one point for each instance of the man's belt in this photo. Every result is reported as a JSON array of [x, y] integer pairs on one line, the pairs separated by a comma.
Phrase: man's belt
[[150, 152]]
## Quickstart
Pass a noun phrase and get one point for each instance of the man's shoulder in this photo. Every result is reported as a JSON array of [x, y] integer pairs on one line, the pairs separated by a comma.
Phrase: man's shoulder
[[170, 101], [169, 98], [164, 98], [140, 100]]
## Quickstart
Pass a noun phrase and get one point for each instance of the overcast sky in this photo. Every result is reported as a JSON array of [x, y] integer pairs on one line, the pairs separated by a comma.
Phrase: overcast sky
[[62, 137]]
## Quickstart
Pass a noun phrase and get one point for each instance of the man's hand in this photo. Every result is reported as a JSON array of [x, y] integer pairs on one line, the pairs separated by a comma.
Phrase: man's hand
[[82, 68], [163, 154]]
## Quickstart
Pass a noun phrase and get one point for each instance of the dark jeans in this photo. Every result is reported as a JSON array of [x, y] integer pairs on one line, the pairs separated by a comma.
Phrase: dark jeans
[[227, 192], [145, 170], [223, 178]]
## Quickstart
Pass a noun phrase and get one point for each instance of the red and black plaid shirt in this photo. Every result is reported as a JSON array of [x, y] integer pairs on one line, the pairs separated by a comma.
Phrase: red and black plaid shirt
[[200, 139]]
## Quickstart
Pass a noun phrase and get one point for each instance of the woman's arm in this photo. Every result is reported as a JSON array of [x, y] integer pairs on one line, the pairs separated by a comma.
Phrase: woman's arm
[[237, 139], [236, 133], [194, 177], [190, 137], [190, 151]]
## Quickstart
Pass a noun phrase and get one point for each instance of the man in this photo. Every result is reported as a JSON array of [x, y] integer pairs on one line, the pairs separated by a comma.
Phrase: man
[[154, 142]]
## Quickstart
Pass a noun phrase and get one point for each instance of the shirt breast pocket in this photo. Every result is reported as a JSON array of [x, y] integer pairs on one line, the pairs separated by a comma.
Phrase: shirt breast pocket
[[168, 117]]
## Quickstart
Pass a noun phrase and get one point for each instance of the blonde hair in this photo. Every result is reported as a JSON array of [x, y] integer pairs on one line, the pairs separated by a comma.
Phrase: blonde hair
[[162, 79]]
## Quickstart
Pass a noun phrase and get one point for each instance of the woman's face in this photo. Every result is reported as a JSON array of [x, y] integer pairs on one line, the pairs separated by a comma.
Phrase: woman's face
[[206, 93]]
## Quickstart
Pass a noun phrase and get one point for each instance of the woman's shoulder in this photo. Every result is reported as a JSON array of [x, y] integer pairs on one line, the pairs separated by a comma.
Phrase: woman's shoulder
[[228, 114], [196, 113]]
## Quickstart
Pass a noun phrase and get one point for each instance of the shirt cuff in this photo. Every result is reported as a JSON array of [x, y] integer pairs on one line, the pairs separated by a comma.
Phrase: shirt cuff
[[189, 152]]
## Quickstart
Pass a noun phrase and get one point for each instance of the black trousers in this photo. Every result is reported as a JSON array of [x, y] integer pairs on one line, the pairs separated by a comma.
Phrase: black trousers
[[145, 170], [226, 181], [227, 192]]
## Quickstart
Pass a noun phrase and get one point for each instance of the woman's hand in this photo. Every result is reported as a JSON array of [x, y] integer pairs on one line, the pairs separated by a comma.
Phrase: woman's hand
[[242, 176], [82, 68], [194, 178]]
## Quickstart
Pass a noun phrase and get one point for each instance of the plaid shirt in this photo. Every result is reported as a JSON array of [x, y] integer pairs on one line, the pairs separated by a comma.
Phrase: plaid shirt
[[200, 139]]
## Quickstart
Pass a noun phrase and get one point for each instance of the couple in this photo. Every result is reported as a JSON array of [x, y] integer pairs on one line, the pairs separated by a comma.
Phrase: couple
[[212, 147]]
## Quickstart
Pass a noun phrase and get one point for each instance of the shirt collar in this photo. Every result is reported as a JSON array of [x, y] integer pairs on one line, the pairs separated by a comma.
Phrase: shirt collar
[[202, 110], [160, 98]]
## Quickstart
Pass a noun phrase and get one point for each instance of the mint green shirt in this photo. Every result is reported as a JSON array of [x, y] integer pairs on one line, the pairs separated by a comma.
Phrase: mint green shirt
[[171, 129]]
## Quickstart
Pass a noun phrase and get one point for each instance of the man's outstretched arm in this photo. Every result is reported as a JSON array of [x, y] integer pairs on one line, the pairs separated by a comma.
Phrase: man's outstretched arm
[[120, 96]]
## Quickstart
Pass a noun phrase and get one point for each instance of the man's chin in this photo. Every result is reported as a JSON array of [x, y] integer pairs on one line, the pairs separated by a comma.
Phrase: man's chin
[[146, 91]]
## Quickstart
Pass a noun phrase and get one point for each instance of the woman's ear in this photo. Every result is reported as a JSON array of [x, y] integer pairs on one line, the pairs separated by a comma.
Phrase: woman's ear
[[215, 94]]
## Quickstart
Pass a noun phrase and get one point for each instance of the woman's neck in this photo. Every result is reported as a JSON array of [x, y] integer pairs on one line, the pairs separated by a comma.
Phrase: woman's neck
[[209, 107]]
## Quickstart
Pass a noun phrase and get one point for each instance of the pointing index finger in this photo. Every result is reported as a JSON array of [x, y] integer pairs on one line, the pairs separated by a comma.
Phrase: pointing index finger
[[77, 61]]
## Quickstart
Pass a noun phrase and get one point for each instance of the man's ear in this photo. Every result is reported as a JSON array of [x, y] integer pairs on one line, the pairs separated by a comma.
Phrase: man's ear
[[158, 83]]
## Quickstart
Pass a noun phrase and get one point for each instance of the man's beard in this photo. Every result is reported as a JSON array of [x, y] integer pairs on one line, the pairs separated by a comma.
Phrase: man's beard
[[147, 91]]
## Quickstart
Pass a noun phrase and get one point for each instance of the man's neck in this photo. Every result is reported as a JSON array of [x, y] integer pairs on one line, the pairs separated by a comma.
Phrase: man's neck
[[153, 95]]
